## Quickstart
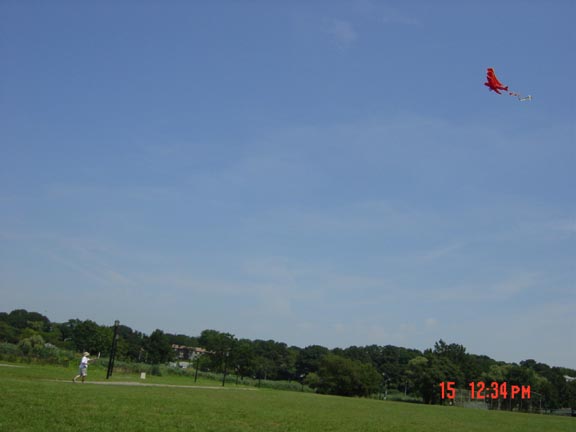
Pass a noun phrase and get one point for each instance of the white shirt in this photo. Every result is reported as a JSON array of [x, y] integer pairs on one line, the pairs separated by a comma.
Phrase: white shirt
[[84, 362]]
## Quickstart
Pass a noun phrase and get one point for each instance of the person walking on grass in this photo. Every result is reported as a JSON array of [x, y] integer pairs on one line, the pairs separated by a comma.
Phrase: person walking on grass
[[83, 369]]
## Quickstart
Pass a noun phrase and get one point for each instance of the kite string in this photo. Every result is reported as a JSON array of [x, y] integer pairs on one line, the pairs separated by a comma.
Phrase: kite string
[[520, 97]]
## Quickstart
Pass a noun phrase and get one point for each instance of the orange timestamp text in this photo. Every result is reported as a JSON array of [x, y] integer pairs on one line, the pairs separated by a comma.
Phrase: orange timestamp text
[[480, 390]]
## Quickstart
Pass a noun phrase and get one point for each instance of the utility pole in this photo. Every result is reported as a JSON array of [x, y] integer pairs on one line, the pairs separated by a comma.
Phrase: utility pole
[[113, 350], [198, 355], [226, 354]]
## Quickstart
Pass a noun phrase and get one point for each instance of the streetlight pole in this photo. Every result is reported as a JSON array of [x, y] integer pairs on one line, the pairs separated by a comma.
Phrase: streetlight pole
[[113, 350], [540, 396], [386, 390], [197, 366], [226, 354], [385, 382]]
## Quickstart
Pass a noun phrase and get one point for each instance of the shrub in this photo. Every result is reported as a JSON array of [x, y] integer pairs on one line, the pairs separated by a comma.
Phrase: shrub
[[10, 352], [156, 370], [34, 350]]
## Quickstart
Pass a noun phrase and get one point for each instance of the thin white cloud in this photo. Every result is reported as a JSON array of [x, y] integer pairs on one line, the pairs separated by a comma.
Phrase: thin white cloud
[[341, 31], [534, 331], [85, 256], [515, 284], [394, 16], [275, 268], [504, 289], [100, 193], [566, 226], [91, 265], [369, 10], [442, 251]]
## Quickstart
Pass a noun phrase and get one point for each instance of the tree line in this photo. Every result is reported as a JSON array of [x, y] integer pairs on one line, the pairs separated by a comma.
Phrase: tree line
[[353, 371]]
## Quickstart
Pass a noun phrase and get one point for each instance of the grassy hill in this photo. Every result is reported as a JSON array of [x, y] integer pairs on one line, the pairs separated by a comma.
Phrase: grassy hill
[[43, 398]]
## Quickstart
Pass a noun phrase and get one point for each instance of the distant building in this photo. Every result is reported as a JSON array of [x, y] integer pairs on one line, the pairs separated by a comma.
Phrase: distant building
[[569, 378], [186, 353]]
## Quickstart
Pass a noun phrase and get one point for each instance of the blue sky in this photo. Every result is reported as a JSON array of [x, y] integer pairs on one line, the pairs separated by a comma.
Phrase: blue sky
[[329, 173]]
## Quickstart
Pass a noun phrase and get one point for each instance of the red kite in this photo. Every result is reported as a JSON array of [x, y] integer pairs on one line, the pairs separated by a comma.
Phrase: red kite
[[494, 85], [492, 82]]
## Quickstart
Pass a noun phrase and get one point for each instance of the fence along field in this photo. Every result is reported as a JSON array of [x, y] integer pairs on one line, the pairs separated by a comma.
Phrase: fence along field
[[43, 398]]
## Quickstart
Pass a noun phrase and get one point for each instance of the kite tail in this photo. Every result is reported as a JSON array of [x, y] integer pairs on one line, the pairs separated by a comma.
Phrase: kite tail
[[520, 97]]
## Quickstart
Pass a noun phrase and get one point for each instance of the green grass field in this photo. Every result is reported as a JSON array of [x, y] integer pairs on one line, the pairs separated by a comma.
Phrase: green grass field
[[43, 398]]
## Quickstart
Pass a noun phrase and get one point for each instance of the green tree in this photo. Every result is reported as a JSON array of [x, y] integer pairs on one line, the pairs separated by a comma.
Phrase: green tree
[[427, 372], [89, 336], [289, 371], [244, 358], [130, 344], [181, 339], [312, 380], [158, 347], [571, 395], [309, 359], [346, 377], [220, 347], [264, 367], [31, 345], [21, 318], [279, 361], [8, 333], [457, 355]]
